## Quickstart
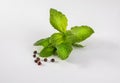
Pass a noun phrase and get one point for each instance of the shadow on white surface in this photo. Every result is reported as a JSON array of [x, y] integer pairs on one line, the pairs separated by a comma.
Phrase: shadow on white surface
[[99, 52]]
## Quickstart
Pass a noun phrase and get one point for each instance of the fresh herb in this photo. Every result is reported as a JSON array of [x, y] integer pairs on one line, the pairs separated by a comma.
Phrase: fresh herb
[[61, 43]]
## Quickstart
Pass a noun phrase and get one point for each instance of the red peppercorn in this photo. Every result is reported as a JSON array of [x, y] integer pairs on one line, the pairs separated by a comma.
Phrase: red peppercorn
[[45, 59], [37, 58], [39, 63], [52, 60]]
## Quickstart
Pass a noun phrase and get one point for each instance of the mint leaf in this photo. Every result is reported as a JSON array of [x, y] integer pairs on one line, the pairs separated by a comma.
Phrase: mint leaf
[[47, 51], [78, 45], [69, 37], [58, 20], [56, 39], [64, 50], [42, 42], [81, 32]]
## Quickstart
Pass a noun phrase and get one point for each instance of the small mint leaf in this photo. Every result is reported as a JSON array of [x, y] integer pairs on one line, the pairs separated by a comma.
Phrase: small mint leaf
[[81, 32], [42, 42], [56, 39], [78, 45], [64, 50], [58, 20], [69, 37], [47, 51]]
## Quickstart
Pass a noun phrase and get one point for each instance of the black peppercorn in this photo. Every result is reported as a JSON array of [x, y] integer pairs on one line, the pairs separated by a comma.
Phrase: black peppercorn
[[35, 61], [52, 60], [35, 52], [45, 59], [34, 55]]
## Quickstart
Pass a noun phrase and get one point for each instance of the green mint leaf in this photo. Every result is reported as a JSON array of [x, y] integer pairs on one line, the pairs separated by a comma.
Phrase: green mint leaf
[[64, 50], [47, 51], [78, 45], [81, 32], [69, 37], [58, 20], [42, 42], [56, 39]]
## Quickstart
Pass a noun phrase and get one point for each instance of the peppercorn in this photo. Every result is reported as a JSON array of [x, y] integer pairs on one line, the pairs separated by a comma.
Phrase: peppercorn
[[35, 52], [52, 60], [35, 61], [45, 59], [34, 55], [37, 58], [39, 63]]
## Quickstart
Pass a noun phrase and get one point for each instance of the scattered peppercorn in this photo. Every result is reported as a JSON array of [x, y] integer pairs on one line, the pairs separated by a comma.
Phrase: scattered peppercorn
[[34, 55], [39, 63], [52, 60], [35, 52], [45, 59], [35, 61], [37, 58]]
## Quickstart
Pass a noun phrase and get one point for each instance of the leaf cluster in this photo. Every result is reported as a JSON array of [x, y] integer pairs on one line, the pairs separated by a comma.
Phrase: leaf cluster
[[62, 43]]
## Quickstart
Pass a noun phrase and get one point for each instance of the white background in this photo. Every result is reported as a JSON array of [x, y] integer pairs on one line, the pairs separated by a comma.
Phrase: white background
[[22, 22]]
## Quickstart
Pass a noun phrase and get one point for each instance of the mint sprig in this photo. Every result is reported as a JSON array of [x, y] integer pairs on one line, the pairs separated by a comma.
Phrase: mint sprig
[[61, 43]]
